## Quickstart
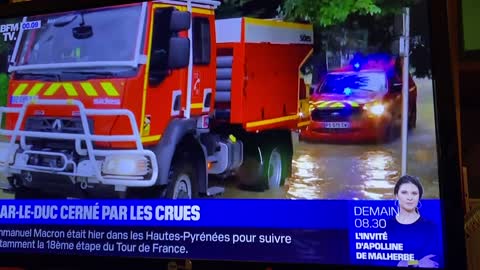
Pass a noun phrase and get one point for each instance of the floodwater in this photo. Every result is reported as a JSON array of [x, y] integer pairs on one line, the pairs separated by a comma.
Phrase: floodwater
[[336, 171]]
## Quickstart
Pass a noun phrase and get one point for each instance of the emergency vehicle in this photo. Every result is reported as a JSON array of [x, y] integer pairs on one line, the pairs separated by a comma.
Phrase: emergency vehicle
[[151, 100], [361, 102]]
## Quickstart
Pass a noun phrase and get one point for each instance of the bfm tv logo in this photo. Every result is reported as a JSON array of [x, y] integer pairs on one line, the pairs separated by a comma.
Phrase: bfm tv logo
[[10, 30]]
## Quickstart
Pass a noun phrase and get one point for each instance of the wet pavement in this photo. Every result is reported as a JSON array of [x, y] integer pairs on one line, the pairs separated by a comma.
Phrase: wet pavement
[[336, 171]]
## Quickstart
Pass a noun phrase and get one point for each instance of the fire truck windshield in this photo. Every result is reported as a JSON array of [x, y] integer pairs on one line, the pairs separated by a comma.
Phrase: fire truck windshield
[[62, 40], [349, 83]]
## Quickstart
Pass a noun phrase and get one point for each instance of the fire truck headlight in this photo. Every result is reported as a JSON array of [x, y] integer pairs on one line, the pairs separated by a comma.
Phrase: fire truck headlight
[[131, 165], [377, 109], [7, 153]]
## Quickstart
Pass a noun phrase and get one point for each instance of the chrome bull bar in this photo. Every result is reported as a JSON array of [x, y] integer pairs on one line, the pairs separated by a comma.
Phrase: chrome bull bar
[[14, 157]]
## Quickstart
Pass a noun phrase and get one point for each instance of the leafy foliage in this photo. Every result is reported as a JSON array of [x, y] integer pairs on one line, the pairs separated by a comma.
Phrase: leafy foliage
[[3, 89], [4, 46], [248, 8], [322, 13], [327, 12], [3, 94], [5, 49]]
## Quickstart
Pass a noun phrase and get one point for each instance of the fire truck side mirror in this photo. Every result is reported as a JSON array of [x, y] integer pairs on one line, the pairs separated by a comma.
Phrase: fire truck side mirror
[[179, 21], [82, 32], [179, 55]]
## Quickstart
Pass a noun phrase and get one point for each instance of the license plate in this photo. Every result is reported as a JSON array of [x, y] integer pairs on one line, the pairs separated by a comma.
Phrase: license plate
[[337, 125]]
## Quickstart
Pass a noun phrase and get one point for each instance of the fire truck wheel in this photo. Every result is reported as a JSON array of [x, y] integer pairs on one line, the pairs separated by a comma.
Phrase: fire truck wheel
[[267, 164], [249, 175], [182, 184], [274, 169]]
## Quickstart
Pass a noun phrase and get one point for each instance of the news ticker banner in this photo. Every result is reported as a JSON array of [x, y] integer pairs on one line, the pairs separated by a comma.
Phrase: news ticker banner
[[316, 231]]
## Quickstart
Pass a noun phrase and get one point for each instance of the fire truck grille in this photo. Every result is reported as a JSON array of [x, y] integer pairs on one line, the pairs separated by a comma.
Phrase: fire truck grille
[[59, 125], [348, 114], [56, 125]]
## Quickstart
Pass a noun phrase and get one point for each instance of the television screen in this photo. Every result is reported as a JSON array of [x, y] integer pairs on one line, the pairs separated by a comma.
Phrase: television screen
[[215, 131]]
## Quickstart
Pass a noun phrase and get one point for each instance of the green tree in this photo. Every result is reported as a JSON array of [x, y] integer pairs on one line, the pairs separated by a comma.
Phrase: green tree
[[4, 50], [248, 8], [325, 13], [4, 47], [3, 89], [3, 94]]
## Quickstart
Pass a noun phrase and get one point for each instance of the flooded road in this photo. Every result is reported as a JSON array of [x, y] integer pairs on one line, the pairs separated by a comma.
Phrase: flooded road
[[335, 171]]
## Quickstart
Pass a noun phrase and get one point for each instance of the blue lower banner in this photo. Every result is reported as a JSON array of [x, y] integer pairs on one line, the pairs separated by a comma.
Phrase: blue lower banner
[[193, 243], [314, 231]]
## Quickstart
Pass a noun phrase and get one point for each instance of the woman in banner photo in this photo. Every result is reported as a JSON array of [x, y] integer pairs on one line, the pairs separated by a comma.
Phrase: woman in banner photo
[[418, 235]]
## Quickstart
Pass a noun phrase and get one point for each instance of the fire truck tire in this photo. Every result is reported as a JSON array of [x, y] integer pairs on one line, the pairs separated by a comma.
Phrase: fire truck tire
[[249, 175], [274, 167], [183, 182], [269, 173], [268, 164]]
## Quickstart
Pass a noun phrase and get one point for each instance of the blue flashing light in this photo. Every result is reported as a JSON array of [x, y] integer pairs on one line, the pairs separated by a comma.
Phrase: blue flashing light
[[347, 91], [357, 61], [360, 61]]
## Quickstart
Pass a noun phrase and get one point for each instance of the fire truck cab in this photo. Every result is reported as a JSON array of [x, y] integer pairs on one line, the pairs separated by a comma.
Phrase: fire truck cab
[[151, 100]]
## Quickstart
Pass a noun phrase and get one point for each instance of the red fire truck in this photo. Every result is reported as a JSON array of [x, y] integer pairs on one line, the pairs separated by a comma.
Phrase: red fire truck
[[151, 100], [361, 102]]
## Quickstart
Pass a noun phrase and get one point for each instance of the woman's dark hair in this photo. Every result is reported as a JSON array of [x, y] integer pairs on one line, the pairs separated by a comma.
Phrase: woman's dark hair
[[408, 179]]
